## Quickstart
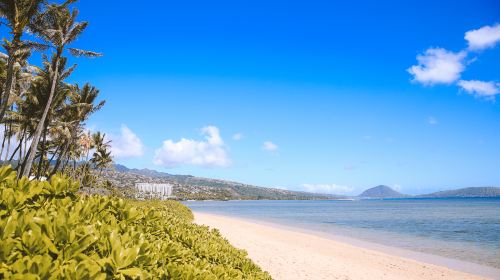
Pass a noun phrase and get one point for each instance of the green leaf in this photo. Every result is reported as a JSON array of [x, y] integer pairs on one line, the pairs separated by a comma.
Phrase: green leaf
[[132, 272]]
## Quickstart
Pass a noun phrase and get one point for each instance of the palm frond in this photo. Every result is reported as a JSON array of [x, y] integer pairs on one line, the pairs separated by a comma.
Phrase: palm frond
[[35, 45], [66, 73], [80, 52], [68, 2], [74, 30]]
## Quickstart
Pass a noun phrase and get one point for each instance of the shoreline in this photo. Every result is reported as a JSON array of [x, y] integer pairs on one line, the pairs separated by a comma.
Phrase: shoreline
[[295, 253], [424, 257]]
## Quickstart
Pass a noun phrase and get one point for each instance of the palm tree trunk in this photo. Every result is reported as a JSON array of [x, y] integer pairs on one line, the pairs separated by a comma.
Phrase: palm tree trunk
[[22, 155], [14, 153], [60, 159], [20, 146], [10, 76], [19, 162], [54, 154], [25, 151], [36, 137], [8, 143], [3, 141], [65, 163], [40, 162]]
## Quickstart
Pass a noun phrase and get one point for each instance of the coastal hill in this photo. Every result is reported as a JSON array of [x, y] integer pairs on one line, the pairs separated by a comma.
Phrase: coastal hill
[[381, 191], [465, 192], [192, 187]]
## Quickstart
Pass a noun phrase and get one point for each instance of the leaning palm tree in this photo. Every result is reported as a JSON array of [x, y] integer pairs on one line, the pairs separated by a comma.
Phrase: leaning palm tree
[[72, 117], [33, 103], [102, 158], [3, 70], [22, 80], [81, 106], [99, 141], [83, 100], [58, 27], [19, 14]]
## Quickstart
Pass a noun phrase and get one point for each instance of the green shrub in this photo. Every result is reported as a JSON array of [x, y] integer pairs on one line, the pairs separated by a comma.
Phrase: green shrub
[[49, 232]]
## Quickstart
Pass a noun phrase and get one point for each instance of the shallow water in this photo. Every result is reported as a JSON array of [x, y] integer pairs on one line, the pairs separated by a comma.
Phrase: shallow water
[[464, 229]]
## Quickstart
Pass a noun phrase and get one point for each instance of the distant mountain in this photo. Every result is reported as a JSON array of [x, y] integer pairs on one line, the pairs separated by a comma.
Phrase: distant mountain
[[466, 192], [121, 168], [191, 187], [151, 173], [381, 192]]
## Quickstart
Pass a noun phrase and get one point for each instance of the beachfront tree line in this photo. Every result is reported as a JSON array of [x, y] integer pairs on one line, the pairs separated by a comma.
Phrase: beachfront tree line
[[42, 116]]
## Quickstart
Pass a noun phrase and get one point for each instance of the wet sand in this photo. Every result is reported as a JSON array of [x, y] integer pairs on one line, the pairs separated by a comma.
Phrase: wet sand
[[292, 254]]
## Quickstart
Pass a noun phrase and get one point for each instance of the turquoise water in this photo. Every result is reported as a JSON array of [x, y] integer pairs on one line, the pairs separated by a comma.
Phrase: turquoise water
[[464, 229]]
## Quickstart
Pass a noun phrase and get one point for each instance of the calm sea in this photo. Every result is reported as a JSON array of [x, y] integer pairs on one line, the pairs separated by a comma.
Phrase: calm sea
[[463, 229]]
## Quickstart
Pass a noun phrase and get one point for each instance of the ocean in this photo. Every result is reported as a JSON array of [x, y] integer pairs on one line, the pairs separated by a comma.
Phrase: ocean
[[464, 229]]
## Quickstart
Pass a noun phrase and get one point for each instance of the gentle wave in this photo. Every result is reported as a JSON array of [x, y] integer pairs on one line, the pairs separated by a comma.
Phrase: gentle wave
[[464, 229]]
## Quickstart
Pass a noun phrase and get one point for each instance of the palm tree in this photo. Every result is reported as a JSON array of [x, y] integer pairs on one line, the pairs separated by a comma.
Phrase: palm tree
[[22, 80], [3, 70], [56, 26], [19, 14], [82, 102], [102, 158], [99, 141], [83, 99], [71, 119]]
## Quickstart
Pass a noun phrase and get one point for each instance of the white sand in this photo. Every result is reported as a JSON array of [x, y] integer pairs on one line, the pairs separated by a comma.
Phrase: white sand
[[289, 255]]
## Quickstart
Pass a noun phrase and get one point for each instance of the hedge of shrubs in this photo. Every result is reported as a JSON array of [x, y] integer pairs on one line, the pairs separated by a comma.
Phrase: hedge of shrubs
[[47, 231]]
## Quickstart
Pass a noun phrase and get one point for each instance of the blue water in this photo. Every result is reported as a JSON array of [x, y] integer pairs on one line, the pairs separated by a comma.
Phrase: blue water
[[464, 229]]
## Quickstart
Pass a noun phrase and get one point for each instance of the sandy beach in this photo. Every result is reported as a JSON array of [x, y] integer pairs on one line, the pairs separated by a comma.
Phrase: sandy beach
[[289, 254]]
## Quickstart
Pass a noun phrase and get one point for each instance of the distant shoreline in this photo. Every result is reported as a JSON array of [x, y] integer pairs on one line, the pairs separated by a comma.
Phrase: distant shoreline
[[294, 253], [188, 187], [355, 198]]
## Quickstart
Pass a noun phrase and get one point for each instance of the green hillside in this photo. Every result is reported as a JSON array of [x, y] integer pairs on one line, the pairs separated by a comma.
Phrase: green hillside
[[381, 191], [466, 192], [191, 187]]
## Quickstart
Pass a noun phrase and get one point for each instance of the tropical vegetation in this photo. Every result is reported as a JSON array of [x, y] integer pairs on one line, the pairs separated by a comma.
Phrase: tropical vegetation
[[50, 227], [47, 231], [43, 116]]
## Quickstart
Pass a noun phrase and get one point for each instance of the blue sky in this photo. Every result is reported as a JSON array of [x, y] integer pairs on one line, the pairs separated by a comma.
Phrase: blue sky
[[303, 95]]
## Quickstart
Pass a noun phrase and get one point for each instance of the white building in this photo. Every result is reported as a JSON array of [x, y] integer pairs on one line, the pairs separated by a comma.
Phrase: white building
[[154, 191]]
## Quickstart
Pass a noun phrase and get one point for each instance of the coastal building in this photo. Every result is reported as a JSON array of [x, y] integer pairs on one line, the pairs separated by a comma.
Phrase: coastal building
[[153, 191]]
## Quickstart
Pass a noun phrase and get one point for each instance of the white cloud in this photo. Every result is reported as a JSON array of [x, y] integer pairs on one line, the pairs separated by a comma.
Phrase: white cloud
[[269, 146], [438, 66], [397, 187], [238, 136], [484, 37], [127, 144], [432, 121], [480, 88], [207, 153], [327, 188]]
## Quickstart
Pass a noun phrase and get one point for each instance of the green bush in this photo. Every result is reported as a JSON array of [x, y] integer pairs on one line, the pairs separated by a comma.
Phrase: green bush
[[49, 232]]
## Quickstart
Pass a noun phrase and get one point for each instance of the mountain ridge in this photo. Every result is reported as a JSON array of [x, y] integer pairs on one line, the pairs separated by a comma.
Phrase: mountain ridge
[[464, 192], [193, 187], [381, 191]]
